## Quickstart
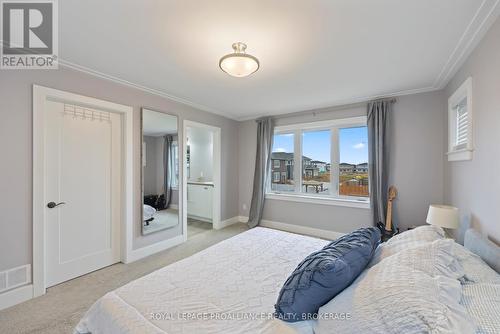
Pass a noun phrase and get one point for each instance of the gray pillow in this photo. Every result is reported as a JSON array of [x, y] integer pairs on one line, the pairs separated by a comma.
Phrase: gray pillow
[[325, 273]]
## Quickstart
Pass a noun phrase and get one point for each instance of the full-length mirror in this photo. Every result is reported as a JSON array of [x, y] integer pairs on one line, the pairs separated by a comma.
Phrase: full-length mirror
[[160, 171]]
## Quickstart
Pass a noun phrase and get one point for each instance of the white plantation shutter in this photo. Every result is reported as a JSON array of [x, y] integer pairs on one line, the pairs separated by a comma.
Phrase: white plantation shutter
[[462, 125], [460, 112]]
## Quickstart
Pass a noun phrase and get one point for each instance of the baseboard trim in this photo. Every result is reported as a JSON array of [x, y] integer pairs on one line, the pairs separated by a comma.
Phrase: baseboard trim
[[16, 296], [140, 253], [228, 222], [304, 230], [203, 219]]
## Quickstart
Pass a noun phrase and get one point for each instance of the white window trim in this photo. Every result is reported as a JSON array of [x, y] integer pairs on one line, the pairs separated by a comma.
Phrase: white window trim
[[351, 201], [462, 154], [331, 199]]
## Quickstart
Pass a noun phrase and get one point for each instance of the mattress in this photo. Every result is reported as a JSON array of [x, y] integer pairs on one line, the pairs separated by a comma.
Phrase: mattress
[[230, 287]]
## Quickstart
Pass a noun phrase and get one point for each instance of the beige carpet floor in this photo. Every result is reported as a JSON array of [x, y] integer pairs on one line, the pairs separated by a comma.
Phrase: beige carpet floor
[[197, 226], [60, 309]]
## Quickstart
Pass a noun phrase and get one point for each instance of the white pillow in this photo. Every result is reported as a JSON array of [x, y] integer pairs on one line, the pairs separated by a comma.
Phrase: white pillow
[[416, 237], [419, 233], [435, 258], [390, 298], [475, 269]]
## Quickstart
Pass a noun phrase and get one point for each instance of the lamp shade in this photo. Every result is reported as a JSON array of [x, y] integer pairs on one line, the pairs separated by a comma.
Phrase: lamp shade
[[443, 216]]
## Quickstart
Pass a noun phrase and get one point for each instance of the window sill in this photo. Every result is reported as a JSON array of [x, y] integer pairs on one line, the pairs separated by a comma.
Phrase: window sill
[[351, 203], [460, 155]]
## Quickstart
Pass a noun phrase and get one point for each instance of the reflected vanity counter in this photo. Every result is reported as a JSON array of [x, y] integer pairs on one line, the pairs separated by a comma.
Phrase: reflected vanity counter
[[200, 199]]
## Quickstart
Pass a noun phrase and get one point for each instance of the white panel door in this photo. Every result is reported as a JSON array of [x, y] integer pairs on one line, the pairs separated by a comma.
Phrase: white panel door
[[83, 170]]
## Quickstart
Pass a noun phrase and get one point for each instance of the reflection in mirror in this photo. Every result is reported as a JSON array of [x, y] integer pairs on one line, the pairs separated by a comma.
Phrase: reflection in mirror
[[160, 171]]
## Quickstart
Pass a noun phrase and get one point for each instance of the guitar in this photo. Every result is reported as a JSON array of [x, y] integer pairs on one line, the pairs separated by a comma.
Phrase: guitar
[[388, 231]]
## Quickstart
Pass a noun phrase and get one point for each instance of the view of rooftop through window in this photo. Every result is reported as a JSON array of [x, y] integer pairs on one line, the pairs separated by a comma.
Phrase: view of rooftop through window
[[282, 162], [316, 160], [353, 168]]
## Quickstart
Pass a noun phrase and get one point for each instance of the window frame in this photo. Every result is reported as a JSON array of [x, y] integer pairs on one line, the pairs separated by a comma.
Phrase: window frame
[[464, 151], [333, 198]]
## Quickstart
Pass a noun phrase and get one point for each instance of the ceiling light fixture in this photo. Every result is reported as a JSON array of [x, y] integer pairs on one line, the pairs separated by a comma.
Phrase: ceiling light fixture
[[239, 64]]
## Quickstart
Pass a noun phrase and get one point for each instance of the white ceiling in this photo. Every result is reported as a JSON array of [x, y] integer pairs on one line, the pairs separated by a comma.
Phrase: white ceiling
[[313, 54]]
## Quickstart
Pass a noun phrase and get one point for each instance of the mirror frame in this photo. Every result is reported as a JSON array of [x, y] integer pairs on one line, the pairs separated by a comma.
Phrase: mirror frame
[[179, 185]]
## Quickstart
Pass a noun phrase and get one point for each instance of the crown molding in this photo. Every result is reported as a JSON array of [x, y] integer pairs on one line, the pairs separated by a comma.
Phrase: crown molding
[[481, 22], [143, 88], [342, 104]]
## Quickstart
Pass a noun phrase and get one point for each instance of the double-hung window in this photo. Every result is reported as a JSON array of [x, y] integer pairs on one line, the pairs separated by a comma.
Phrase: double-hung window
[[324, 162]]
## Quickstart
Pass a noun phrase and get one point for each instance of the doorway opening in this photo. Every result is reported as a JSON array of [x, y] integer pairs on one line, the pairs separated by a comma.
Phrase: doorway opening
[[202, 167]]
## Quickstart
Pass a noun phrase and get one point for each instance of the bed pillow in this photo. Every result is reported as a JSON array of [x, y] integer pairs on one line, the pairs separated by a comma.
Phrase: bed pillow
[[394, 298], [475, 269], [325, 273], [416, 237], [419, 233]]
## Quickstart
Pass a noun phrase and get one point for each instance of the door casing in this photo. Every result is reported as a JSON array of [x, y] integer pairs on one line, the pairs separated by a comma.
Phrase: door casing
[[40, 95]]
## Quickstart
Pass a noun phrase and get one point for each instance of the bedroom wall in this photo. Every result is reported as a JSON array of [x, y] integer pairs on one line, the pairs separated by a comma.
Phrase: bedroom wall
[[416, 162], [16, 148], [474, 186]]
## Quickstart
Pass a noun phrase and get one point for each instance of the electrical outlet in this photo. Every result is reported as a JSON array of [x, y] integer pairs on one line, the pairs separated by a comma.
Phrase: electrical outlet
[[244, 206]]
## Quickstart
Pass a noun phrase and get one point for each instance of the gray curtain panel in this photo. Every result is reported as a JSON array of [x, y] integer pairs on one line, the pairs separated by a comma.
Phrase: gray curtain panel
[[379, 114], [265, 127], [168, 169]]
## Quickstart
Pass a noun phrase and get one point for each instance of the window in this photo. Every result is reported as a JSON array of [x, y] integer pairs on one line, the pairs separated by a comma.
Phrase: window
[[316, 154], [460, 123], [175, 179], [325, 162], [283, 173], [276, 177], [353, 174]]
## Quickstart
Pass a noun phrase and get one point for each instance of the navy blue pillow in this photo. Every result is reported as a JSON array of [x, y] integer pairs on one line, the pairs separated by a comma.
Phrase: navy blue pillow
[[325, 273]]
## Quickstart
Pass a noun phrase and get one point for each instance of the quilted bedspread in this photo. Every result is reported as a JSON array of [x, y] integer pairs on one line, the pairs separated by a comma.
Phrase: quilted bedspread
[[230, 287]]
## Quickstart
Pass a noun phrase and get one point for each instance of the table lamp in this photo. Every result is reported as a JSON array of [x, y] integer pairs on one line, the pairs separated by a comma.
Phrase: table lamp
[[443, 216]]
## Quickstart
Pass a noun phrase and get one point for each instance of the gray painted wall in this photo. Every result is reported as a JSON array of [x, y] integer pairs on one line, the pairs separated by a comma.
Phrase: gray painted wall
[[474, 186], [416, 162], [16, 148]]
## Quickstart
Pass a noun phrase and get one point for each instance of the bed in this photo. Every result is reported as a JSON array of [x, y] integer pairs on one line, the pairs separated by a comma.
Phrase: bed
[[236, 279]]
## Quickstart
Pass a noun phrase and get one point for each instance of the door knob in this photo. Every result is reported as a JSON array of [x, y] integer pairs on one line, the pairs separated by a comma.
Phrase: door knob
[[52, 205]]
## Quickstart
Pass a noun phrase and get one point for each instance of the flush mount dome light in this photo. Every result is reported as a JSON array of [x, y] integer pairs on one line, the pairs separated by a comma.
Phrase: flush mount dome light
[[239, 64]]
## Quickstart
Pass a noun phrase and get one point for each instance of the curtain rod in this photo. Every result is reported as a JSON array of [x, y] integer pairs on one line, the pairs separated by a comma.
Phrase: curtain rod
[[327, 109]]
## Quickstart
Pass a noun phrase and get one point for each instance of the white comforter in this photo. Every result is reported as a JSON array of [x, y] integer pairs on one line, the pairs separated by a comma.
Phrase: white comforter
[[238, 278]]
